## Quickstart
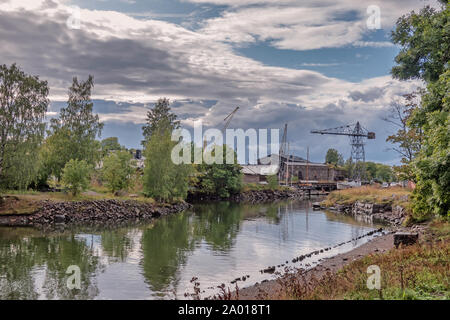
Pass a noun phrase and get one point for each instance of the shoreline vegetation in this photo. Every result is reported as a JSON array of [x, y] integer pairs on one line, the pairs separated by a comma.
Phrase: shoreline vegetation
[[418, 271]]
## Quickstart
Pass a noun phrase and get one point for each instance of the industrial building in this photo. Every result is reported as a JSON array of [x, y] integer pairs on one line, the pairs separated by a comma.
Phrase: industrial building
[[288, 167]]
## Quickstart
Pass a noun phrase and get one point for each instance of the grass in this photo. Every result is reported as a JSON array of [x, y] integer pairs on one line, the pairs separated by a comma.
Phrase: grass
[[421, 271], [372, 194]]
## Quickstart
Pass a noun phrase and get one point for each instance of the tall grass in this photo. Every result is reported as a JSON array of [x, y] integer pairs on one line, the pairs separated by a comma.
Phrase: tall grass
[[421, 271], [373, 194]]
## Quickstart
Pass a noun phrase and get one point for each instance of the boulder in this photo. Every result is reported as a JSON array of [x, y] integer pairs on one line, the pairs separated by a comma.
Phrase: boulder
[[59, 218], [405, 238]]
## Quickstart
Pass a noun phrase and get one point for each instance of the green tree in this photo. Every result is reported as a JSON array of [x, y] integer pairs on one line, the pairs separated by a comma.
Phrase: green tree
[[349, 167], [73, 134], [117, 171], [159, 117], [222, 180], [425, 54], [23, 104], [75, 176], [334, 157], [110, 144], [164, 180]]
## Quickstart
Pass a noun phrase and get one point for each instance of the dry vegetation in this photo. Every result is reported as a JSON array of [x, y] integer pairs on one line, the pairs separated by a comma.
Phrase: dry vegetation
[[421, 271], [372, 194]]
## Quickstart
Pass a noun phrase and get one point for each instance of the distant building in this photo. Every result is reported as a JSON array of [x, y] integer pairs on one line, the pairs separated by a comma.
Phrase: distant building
[[258, 173], [291, 166], [313, 171]]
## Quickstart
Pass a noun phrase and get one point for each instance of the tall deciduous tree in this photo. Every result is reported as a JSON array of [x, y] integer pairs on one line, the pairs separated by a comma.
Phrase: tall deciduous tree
[[425, 54], [73, 135], [159, 117], [164, 180], [334, 157], [23, 104]]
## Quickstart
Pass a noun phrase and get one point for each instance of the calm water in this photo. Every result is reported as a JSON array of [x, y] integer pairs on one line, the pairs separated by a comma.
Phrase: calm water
[[214, 242]]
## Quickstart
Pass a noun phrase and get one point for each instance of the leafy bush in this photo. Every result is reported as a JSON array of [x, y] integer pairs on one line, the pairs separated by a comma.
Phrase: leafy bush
[[117, 171], [76, 176], [222, 180]]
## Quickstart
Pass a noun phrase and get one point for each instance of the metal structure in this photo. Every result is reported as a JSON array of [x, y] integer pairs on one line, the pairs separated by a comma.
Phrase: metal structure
[[228, 119], [282, 173], [357, 135]]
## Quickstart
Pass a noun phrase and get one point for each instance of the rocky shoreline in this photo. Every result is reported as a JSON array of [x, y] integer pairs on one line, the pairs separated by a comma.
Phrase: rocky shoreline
[[91, 212], [112, 211], [386, 213]]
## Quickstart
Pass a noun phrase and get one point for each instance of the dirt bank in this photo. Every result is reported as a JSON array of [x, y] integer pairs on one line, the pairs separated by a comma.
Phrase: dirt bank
[[271, 289], [91, 212]]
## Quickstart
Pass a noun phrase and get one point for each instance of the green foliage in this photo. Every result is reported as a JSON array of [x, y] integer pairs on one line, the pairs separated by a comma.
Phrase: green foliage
[[23, 104], [75, 176], [164, 180], [425, 41], [379, 172], [159, 118], [110, 144], [272, 181], [73, 134], [334, 157], [221, 180], [117, 171]]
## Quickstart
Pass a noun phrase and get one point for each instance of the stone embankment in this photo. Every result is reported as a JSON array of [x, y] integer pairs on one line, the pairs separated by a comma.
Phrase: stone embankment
[[261, 196], [92, 212], [251, 196], [373, 212]]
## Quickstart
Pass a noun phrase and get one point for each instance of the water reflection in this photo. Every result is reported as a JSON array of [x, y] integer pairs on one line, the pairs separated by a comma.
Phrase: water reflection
[[216, 242]]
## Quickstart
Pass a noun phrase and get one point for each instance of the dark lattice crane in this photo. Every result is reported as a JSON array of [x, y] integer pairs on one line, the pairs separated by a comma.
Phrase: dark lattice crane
[[357, 135]]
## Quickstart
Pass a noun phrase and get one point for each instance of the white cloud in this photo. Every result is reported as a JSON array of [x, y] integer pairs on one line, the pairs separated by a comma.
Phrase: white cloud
[[303, 25], [140, 60]]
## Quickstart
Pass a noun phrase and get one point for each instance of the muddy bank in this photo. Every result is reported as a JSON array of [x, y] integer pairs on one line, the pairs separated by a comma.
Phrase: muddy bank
[[252, 196], [271, 289], [91, 212]]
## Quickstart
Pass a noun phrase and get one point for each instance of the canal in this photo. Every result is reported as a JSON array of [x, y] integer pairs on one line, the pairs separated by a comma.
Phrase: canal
[[216, 242]]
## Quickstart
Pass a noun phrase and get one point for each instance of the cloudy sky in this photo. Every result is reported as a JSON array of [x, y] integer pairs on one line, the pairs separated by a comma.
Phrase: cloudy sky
[[309, 63]]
